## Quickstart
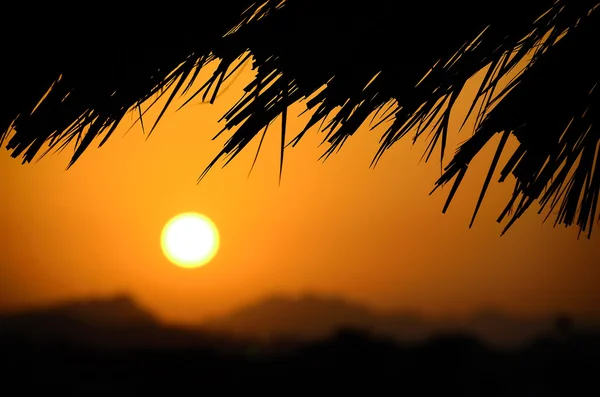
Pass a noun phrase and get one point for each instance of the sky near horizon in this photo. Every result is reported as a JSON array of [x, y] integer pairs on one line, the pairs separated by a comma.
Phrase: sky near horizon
[[337, 228]]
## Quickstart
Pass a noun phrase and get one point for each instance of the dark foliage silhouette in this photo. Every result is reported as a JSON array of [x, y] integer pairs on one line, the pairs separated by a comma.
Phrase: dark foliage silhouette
[[114, 347], [403, 63], [349, 361]]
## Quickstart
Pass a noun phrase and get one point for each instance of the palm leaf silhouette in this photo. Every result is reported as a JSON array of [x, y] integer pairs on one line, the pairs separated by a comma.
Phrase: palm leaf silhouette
[[405, 63]]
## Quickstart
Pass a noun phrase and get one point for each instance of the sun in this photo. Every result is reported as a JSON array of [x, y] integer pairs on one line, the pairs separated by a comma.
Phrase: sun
[[190, 240]]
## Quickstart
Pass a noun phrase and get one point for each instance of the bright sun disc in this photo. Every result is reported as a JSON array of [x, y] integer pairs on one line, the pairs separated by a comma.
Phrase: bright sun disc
[[190, 240]]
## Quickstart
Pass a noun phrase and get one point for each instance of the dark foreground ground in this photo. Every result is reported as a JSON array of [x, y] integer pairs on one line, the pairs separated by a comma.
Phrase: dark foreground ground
[[350, 362]]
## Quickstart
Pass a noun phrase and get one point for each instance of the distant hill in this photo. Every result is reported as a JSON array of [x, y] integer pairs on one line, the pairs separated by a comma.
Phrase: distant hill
[[117, 311], [309, 317], [281, 321], [107, 322], [315, 317], [47, 350]]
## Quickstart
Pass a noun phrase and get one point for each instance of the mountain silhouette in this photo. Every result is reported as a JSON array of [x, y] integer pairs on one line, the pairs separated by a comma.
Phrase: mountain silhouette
[[113, 346], [118, 322], [308, 317], [317, 317], [120, 311], [282, 322]]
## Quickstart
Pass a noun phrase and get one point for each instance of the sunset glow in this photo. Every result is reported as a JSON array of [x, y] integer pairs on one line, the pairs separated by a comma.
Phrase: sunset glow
[[339, 228], [190, 240]]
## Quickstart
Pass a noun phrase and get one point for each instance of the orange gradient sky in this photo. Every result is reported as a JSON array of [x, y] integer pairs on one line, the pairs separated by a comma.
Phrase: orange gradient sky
[[339, 228]]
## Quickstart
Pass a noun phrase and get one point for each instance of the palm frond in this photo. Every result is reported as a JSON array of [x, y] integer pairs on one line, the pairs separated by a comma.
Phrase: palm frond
[[552, 112], [96, 79], [348, 61]]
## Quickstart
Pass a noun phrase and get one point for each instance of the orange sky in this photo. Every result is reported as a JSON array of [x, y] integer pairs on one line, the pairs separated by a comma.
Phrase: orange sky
[[337, 227]]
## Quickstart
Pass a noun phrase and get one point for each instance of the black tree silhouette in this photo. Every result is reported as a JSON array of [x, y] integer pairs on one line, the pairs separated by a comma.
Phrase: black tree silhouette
[[400, 62]]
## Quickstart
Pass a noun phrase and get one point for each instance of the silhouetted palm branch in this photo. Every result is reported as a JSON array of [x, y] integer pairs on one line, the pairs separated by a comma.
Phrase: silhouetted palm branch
[[551, 109], [404, 62]]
